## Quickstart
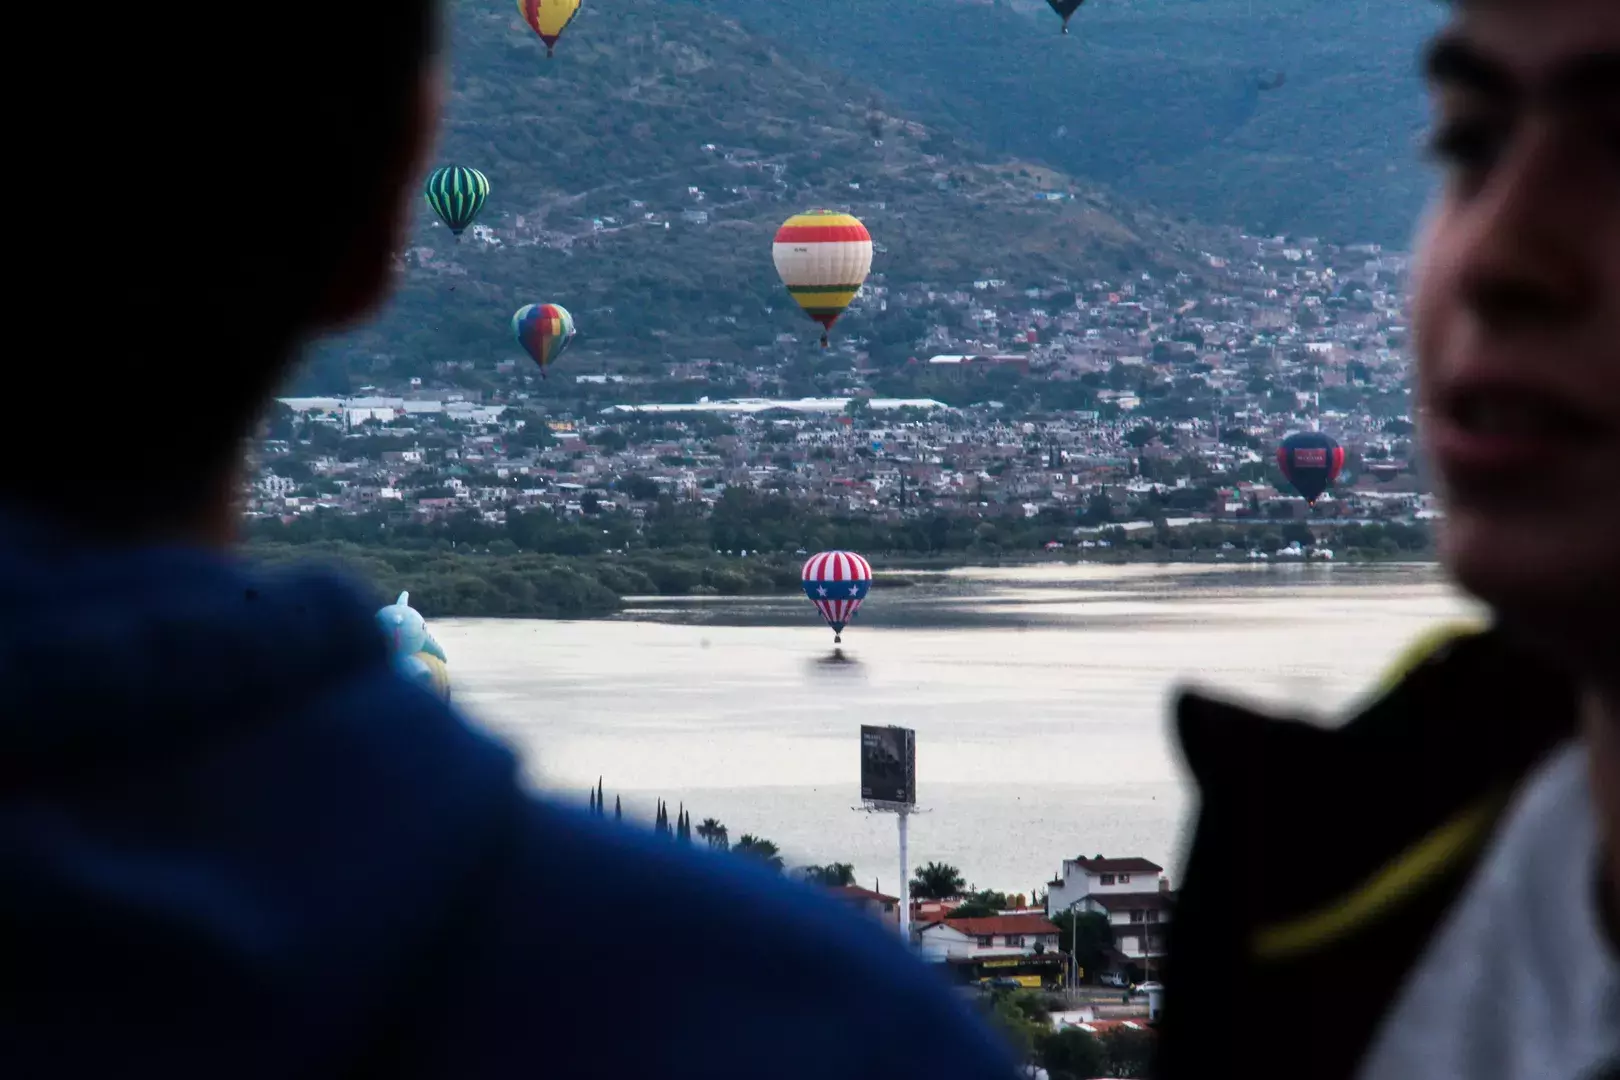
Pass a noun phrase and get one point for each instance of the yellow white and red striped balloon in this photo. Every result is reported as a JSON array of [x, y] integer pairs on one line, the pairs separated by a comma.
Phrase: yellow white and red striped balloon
[[823, 257]]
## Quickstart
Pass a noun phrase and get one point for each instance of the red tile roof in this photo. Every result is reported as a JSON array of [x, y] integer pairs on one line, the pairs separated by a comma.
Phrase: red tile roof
[[855, 892], [1135, 864], [1003, 924]]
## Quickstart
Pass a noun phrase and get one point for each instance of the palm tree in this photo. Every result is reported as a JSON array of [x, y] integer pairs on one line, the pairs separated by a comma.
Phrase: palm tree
[[937, 881], [833, 875], [757, 847], [714, 834]]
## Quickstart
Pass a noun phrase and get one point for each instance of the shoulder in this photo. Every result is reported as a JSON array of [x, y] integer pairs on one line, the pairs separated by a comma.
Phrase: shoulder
[[657, 959], [1457, 681]]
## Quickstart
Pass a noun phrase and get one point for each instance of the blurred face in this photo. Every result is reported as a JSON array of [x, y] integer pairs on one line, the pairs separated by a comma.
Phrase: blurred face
[[1517, 313]]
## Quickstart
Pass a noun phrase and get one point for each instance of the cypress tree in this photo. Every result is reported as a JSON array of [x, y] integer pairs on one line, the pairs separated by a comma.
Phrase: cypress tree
[[618, 810]]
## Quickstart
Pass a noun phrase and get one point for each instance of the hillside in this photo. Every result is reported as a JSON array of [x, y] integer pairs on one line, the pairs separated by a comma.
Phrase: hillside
[[602, 161], [1160, 98]]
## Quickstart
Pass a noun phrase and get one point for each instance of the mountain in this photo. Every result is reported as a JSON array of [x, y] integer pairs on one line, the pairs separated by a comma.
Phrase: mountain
[[638, 179], [1161, 99]]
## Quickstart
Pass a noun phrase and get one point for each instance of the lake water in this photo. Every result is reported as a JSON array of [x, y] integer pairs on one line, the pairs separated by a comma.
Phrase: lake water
[[1039, 696]]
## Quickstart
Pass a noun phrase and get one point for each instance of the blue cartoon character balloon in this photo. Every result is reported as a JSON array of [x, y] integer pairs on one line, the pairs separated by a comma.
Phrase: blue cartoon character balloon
[[416, 655]]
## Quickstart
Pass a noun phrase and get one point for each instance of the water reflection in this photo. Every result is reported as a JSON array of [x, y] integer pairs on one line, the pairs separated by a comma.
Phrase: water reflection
[[1039, 695]]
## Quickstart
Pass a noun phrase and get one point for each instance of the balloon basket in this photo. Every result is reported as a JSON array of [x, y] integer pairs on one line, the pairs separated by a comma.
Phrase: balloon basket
[[838, 639]]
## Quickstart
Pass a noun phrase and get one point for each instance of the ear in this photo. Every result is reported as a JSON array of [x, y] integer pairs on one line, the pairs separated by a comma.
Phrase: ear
[[364, 277]]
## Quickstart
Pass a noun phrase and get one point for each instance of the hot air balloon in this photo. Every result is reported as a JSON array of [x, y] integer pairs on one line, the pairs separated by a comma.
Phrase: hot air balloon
[[1271, 80], [823, 257], [549, 18], [1311, 461], [1065, 8], [457, 194], [544, 331], [836, 582]]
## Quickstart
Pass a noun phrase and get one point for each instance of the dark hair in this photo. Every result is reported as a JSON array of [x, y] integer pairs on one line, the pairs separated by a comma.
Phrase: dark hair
[[204, 173]]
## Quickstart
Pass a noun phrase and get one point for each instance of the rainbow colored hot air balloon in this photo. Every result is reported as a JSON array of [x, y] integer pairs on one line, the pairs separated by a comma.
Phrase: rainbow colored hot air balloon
[[544, 331], [548, 18], [836, 582], [1311, 461], [823, 257]]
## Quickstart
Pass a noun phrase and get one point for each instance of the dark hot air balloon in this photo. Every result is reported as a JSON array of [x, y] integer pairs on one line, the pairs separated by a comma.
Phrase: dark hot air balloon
[[456, 194], [1311, 461], [1065, 8]]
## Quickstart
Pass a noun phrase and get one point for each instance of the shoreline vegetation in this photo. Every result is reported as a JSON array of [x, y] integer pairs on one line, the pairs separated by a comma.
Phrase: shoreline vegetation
[[537, 565]]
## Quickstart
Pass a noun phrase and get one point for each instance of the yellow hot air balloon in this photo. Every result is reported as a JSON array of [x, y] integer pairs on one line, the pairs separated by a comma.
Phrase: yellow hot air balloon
[[548, 18], [823, 257]]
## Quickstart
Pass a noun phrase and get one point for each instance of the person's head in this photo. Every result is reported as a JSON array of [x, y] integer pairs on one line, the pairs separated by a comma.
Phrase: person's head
[[211, 188], [1517, 314]]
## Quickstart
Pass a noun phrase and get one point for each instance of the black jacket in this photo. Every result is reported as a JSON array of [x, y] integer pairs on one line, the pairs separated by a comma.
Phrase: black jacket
[[1324, 859]]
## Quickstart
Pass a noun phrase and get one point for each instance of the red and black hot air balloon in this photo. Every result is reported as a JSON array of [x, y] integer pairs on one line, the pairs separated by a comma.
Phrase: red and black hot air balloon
[[1311, 461]]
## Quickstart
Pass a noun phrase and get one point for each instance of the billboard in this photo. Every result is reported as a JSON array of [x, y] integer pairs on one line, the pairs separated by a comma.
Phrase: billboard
[[889, 765]]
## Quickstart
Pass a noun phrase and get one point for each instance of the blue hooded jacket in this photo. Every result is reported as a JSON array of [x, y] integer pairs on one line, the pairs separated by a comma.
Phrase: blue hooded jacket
[[234, 843]]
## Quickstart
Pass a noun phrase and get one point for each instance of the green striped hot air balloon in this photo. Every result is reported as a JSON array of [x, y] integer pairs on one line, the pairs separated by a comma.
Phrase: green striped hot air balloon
[[456, 194]]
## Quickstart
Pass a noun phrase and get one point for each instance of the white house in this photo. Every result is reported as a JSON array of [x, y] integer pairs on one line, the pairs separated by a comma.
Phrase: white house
[[1140, 921], [1082, 877], [993, 935], [1023, 947], [876, 904], [1132, 892]]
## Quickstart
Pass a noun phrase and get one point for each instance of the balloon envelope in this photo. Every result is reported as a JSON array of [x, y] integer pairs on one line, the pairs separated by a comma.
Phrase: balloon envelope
[[548, 18], [544, 331], [457, 194], [1311, 461], [823, 258], [1065, 8], [403, 626], [836, 582], [429, 672]]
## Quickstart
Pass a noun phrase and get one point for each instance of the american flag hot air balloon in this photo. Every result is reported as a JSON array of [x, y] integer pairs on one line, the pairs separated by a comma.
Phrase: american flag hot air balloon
[[836, 582]]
